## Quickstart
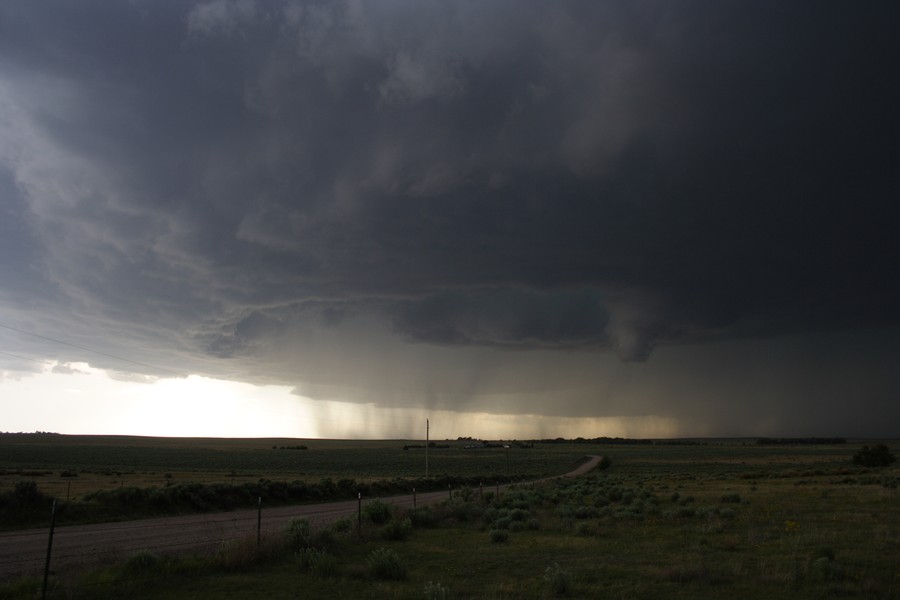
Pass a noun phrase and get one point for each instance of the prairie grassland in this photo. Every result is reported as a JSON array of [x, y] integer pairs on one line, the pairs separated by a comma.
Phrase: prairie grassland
[[718, 521], [63, 465]]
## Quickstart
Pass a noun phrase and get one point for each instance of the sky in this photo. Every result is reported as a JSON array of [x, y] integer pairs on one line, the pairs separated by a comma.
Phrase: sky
[[514, 218]]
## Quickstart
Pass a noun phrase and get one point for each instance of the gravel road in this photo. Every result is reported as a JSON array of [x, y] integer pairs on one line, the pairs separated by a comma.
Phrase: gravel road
[[76, 546]]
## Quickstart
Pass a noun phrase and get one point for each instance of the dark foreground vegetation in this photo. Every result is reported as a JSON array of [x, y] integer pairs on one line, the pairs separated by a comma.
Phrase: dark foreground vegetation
[[26, 506], [720, 521]]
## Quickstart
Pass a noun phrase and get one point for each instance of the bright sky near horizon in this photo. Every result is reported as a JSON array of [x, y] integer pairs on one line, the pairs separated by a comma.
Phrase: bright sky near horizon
[[518, 219]]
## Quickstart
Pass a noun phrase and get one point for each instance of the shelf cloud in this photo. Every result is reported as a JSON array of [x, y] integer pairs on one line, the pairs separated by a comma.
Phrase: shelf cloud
[[486, 204]]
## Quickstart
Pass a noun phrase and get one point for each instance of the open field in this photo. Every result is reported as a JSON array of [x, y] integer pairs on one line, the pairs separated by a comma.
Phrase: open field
[[64, 465], [722, 520]]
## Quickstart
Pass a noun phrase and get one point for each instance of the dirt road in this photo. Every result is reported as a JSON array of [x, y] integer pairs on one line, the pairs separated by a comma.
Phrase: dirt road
[[24, 552]]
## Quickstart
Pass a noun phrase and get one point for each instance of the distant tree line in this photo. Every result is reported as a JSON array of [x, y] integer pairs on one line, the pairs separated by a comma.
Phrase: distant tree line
[[430, 445], [811, 441], [624, 441]]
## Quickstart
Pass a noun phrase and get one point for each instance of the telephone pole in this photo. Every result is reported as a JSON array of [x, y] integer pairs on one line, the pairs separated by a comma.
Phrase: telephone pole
[[427, 427]]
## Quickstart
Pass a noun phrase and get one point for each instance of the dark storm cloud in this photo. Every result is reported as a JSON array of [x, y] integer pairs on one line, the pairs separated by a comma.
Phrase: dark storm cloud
[[185, 183]]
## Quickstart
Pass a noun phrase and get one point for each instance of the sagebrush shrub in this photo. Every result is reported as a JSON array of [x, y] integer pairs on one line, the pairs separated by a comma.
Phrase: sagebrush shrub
[[397, 530], [422, 517], [318, 562], [142, 561], [499, 536], [385, 563], [377, 512], [559, 580], [342, 525], [299, 533], [436, 591]]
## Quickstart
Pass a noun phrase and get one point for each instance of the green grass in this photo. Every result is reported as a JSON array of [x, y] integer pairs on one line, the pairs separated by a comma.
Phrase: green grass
[[105, 462], [107, 478], [725, 521]]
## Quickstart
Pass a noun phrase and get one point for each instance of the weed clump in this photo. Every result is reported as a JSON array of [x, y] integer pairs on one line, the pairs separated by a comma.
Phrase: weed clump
[[317, 562], [559, 581], [397, 530], [385, 564], [422, 517], [436, 591], [300, 535], [499, 536], [377, 512], [142, 561]]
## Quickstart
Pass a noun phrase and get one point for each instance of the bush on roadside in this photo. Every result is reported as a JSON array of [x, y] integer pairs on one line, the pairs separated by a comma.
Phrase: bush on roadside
[[397, 530], [377, 512]]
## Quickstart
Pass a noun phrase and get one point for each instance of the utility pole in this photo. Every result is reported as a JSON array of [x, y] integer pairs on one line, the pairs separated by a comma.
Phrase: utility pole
[[427, 435]]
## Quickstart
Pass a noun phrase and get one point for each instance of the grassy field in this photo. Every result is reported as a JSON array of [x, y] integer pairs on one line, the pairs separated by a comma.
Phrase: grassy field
[[728, 519], [72, 466]]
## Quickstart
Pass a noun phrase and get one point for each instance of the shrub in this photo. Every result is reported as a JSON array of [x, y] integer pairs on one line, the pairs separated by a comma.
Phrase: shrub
[[397, 530], [727, 513], [25, 495], [239, 554], [318, 562], [878, 455], [732, 498], [342, 525], [385, 563], [534, 524], [518, 514], [565, 512], [422, 517], [499, 536], [377, 512], [436, 591], [142, 561], [684, 512], [559, 580], [299, 533]]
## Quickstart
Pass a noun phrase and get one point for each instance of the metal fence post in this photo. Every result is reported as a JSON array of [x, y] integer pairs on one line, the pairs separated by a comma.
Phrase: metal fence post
[[49, 549], [258, 521]]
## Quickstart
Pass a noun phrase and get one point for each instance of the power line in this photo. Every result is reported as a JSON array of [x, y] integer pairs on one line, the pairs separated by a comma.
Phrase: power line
[[20, 357], [86, 349]]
